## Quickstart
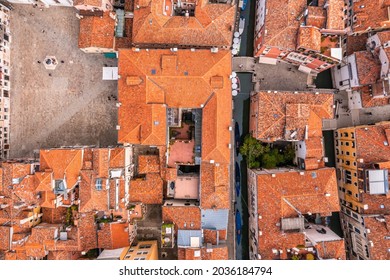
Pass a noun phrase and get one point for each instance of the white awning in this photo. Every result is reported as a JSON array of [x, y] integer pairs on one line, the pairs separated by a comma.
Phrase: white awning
[[110, 73], [267, 60]]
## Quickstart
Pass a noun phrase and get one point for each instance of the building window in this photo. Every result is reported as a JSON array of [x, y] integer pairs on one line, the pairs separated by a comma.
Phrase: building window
[[98, 184], [146, 246]]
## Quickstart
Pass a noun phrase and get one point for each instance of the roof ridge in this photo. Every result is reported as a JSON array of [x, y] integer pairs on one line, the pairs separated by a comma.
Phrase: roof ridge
[[73, 159], [214, 65], [271, 103], [136, 127], [277, 35], [121, 151]]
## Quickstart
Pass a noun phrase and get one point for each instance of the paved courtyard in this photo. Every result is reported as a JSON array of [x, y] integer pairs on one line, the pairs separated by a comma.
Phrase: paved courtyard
[[66, 106]]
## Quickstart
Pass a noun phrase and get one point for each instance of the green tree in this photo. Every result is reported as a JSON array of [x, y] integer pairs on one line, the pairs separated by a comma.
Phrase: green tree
[[269, 160], [289, 154], [252, 149]]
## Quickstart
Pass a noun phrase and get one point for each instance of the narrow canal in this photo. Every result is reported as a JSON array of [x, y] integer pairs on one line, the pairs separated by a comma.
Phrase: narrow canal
[[241, 116]]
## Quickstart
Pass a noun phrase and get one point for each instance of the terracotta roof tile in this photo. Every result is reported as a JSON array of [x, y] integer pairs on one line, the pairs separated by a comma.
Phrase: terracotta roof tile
[[356, 43], [370, 143], [92, 199], [63, 255], [54, 215], [217, 253], [182, 216], [316, 16], [86, 232], [148, 164], [97, 32], [378, 231], [188, 87], [278, 112], [64, 163], [335, 15], [148, 190], [95, 3], [281, 23], [368, 67], [5, 238], [211, 25], [43, 181], [215, 186], [306, 193], [117, 158], [332, 249], [369, 14], [309, 38], [113, 235]]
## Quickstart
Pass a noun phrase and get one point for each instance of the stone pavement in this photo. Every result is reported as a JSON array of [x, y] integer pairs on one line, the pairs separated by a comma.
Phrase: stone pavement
[[70, 105]]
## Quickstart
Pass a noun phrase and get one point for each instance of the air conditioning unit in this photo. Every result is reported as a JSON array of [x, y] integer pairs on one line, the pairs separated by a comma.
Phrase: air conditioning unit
[[273, 175]]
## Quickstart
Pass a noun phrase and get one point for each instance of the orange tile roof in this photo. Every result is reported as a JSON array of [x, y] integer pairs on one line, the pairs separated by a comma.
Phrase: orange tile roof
[[63, 255], [92, 199], [117, 158], [148, 164], [281, 23], [97, 31], [217, 253], [335, 15], [95, 3], [65, 163], [331, 249], [306, 193], [43, 181], [369, 14], [212, 25], [54, 215], [316, 16], [368, 67], [378, 231], [148, 190], [5, 238], [309, 38], [113, 235], [85, 238], [41, 235], [370, 143], [155, 79], [100, 164], [356, 43], [214, 186], [182, 216], [281, 112]]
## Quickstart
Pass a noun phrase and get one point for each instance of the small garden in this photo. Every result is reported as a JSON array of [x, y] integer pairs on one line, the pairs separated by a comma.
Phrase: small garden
[[262, 155], [69, 215]]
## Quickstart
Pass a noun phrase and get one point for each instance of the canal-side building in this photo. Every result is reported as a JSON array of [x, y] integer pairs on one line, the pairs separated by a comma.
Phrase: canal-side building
[[5, 69], [179, 103], [366, 16], [362, 162], [184, 24], [290, 207], [305, 36], [288, 214], [296, 117], [365, 73]]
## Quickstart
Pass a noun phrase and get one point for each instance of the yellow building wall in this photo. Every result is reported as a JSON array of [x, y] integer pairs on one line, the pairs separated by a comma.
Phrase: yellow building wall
[[346, 161], [147, 250]]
